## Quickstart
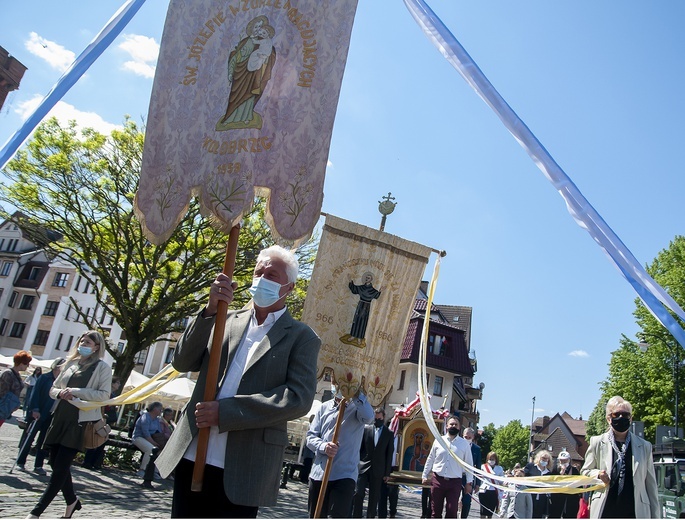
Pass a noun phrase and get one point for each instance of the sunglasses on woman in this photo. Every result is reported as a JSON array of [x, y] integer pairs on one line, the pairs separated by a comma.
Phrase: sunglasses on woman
[[616, 415]]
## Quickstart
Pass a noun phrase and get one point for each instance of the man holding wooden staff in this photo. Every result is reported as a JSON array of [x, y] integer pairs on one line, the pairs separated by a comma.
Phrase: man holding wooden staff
[[267, 376], [345, 454]]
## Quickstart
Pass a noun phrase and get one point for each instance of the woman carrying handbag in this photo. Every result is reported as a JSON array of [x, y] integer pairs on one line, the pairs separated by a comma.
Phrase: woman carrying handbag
[[86, 377]]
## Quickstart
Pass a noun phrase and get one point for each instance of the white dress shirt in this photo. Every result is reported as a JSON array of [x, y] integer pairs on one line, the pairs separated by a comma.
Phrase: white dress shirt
[[216, 447], [441, 463]]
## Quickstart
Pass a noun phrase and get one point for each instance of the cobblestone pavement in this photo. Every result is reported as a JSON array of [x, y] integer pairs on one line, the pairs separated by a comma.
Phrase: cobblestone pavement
[[113, 493]]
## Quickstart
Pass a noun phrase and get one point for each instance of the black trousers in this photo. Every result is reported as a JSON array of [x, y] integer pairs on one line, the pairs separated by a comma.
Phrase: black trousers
[[337, 501], [40, 429], [465, 504], [366, 480], [389, 493], [149, 475], [60, 460], [426, 510], [211, 502]]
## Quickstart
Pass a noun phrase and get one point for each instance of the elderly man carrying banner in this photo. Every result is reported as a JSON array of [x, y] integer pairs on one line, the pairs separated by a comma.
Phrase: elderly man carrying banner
[[267, 377]]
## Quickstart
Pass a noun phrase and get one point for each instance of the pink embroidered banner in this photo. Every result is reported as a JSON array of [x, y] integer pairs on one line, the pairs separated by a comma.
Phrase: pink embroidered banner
[[243, 103]]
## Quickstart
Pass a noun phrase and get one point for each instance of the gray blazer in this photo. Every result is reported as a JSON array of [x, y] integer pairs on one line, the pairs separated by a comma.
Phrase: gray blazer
[[599, 457], [278, 385]]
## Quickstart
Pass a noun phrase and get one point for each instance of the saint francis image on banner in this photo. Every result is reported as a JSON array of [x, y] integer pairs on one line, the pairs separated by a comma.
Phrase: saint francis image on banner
[[359, 302], [367, 293]]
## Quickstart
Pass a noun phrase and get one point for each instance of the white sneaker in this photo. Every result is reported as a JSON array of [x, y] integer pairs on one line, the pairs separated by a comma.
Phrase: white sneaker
[[21, 467]]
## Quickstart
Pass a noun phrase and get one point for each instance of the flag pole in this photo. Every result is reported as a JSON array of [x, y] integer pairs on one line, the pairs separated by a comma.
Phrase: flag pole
[[214, 360], [329, 462]]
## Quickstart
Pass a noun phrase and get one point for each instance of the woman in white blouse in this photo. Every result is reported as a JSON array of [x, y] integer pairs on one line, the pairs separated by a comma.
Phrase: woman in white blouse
[[488, 495]]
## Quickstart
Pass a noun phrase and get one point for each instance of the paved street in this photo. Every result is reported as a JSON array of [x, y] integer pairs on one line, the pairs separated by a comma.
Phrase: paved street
[[113, 493]]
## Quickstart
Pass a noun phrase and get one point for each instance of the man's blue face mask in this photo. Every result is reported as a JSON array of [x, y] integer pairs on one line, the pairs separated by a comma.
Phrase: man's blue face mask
[[265, 292]]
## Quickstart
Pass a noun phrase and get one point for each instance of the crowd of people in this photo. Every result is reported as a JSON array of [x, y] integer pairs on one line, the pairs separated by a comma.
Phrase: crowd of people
[[268, 377]]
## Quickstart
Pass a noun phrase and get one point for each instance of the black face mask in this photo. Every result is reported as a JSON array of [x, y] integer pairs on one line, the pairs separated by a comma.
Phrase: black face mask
[[378, 423], [453, 431], [620, 424]]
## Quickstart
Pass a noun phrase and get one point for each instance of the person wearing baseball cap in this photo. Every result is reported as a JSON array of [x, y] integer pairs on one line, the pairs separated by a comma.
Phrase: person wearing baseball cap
[[563, 505]]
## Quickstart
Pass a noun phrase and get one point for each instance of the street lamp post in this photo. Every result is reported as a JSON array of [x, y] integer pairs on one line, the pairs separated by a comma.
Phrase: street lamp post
[[676, 364], [532, 420]]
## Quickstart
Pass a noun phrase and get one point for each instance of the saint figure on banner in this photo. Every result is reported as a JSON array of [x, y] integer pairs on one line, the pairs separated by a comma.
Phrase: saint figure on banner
[[249, 70], [367, 293]]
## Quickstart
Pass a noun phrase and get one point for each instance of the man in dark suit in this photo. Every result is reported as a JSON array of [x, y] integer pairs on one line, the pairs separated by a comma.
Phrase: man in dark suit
[[375, 464], [469, 435], [267, 376]]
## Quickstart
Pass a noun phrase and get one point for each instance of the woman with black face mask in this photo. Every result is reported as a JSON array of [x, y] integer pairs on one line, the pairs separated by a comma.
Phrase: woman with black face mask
[[624, 463]]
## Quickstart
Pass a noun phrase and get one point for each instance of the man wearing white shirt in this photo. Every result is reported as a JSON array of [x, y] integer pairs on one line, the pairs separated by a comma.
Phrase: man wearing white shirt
[[448, 475], [267, 376]]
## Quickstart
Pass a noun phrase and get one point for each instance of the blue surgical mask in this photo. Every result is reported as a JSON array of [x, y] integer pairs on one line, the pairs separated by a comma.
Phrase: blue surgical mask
[[336, 392], [85, 351], [265, 292]]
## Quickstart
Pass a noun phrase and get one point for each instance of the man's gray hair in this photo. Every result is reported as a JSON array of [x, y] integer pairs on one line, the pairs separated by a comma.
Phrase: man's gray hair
[[288, 257], [469, 431]]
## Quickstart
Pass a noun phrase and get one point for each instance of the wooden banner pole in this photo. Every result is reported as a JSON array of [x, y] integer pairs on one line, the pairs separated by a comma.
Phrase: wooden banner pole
[[329, 462], [214, 360]]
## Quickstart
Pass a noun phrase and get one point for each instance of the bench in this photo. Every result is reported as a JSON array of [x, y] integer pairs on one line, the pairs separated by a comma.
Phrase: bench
[[119, 442]]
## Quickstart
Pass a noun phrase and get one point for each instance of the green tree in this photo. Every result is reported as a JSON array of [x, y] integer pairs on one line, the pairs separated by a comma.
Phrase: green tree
[[596, 423], [486, 437], [511, 443], [647, 373], [81, 185]]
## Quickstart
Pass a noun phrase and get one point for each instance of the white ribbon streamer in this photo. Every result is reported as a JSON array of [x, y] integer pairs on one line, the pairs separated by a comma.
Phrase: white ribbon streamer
[[532, 484], [580, 209]]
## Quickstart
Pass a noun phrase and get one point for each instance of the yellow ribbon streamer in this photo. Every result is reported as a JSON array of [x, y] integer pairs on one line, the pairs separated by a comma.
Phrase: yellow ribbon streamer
[[570, 484], [135, 395]]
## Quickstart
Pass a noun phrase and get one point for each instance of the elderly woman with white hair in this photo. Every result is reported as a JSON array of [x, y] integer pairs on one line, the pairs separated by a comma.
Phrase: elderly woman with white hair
[[624, 463], [541, 465]]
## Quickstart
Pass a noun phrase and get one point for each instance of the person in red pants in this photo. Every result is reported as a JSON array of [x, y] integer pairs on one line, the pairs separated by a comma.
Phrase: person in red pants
[[448, 475]]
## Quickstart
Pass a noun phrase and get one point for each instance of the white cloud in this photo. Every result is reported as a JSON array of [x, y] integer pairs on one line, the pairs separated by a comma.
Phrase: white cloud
[[578, 353], [143, 51], [64, 112], [140, 69], [57, 56], [329, 164]]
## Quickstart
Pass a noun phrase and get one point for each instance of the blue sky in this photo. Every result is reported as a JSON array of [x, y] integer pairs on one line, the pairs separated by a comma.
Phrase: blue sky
[[600, 85]]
